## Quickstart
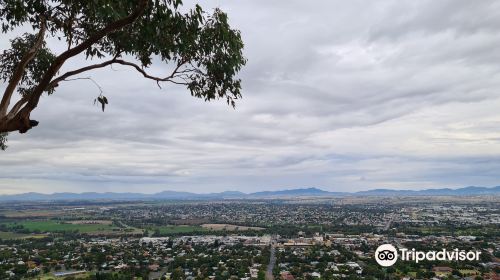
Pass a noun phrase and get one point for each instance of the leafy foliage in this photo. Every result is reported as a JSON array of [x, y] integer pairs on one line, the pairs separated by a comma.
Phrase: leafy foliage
[[3, 141], [103, 100], [34, 70], [205, 44], [202, 51]]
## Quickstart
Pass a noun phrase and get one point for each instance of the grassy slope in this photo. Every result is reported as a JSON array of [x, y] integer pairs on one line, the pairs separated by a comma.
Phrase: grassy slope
[[54, 226]]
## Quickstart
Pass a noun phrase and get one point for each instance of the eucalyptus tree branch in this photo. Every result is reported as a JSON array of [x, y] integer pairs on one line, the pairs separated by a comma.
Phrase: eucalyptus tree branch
[[55, 82], [205, 52], [19, 71], [15, 109], [22, 121], [148, 76]]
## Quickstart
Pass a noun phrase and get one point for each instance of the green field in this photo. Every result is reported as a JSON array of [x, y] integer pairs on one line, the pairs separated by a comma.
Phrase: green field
[[178, 229], [468, 272], [14, 235], [55, 226], [50, 276], [11, 235]]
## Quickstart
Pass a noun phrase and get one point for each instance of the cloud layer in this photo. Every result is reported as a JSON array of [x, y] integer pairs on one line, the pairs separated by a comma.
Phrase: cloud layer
[[342, 95]]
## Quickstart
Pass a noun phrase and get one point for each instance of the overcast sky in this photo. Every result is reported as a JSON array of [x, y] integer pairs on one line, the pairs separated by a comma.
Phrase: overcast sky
[[340, 95]]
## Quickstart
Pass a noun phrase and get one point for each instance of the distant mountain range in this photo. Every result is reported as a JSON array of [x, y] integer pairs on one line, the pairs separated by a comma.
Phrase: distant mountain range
[[292, 193]]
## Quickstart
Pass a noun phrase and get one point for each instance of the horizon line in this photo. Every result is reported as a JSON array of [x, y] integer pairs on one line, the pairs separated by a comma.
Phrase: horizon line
[[248, 193]]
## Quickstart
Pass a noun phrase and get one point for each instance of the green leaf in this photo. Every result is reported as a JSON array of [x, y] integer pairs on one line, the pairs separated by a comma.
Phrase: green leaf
[[3, 141]]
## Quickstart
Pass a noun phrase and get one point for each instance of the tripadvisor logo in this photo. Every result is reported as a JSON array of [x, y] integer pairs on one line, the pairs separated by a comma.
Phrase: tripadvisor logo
[[387, 255]]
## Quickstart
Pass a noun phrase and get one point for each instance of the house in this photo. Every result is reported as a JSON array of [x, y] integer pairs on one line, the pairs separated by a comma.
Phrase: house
[[121, 266], [491, 276], [442, 271], [316, 275], [254, 272], [286, 276], [154, 267]]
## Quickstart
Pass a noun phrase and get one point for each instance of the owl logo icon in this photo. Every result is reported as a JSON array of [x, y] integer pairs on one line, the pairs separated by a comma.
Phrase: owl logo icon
[[386, 255]]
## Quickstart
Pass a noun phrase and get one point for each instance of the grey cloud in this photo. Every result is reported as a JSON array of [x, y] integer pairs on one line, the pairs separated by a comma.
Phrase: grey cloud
[[403, 94]]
